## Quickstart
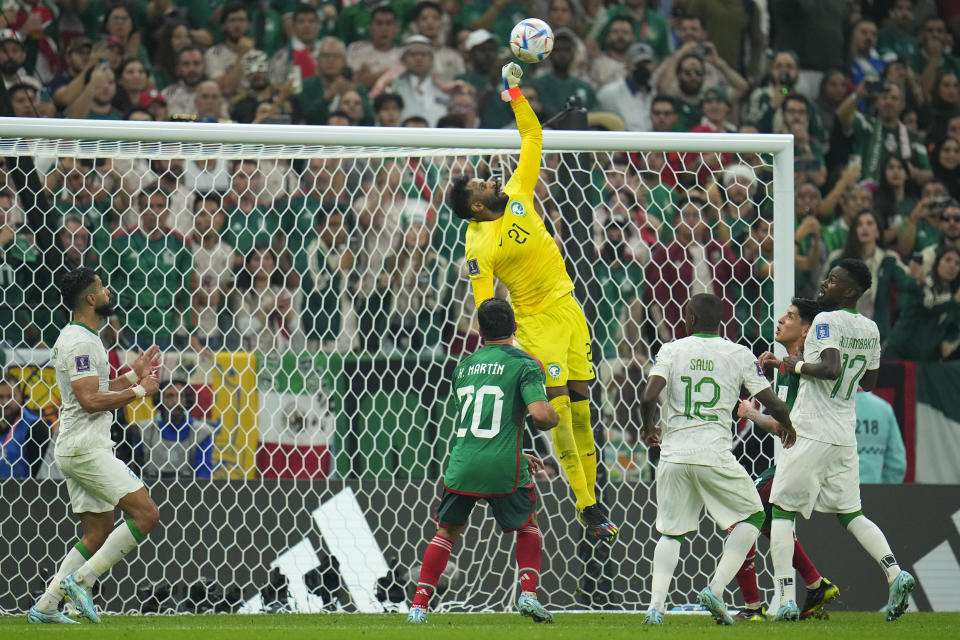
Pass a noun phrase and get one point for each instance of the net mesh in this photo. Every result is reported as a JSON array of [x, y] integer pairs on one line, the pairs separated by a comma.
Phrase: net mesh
[[311, 302]]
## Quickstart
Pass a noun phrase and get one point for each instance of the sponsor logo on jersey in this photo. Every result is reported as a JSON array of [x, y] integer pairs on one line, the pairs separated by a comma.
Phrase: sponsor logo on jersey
[[473, 266], [554, 370], [83, 363], [823, 331], [516, 208]]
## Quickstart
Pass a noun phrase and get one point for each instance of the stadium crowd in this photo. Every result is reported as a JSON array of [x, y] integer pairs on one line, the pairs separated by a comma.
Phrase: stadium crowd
[[364, 255]]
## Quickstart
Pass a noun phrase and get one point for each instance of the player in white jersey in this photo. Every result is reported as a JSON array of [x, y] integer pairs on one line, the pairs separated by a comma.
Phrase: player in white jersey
[[821, 472], [703, 374], [97, 481]]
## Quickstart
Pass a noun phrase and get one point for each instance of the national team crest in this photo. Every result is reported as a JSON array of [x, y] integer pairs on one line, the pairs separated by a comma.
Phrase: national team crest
[[473, 267], [516, 208], [554, 370], [823, 331], [83, 363]]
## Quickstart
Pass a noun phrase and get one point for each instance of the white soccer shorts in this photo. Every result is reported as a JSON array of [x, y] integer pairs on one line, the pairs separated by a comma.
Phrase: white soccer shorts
[[96, 480], [683, 490], [814, 475]]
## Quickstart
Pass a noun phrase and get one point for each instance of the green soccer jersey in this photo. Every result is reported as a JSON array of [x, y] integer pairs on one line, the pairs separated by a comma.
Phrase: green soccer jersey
[[493, 387], [788, 383]]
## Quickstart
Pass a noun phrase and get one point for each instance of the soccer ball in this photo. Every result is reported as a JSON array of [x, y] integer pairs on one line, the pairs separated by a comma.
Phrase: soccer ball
[[531, 40]]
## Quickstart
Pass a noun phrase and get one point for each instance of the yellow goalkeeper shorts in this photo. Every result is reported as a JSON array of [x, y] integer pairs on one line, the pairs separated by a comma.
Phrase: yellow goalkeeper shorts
[[559, 338]]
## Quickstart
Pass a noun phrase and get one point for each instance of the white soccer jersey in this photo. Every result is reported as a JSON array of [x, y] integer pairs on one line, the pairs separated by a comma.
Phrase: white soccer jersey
[[704, 375], [825, 409], [79, 353]]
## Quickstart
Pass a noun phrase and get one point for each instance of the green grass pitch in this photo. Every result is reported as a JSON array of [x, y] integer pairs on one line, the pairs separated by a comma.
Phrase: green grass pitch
[[570, 626]]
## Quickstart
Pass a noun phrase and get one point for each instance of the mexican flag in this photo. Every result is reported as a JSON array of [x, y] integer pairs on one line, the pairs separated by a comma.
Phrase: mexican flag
[[297, 416], [938, 423]]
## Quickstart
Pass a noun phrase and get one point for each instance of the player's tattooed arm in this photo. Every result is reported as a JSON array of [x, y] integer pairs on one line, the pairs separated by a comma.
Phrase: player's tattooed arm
[[778, 409], [650, 433], [827, 369]]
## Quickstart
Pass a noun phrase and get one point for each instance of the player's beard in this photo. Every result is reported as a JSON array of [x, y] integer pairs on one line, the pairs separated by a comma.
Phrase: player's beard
[[497, 202], [105, 310]]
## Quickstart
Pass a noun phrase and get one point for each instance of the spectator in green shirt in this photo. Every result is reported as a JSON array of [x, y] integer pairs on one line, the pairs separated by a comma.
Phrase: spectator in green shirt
[[930, 322], [151, 270], [557, 87]]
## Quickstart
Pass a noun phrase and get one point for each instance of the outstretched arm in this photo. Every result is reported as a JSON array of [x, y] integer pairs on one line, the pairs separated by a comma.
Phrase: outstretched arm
[[525, 177]]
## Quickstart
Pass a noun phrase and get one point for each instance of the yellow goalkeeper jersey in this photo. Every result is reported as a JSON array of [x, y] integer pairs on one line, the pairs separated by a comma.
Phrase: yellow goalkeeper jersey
[[516, 248]]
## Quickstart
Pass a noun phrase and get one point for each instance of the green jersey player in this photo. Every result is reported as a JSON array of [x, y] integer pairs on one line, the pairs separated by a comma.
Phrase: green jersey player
[[495, 388], [821, 472]]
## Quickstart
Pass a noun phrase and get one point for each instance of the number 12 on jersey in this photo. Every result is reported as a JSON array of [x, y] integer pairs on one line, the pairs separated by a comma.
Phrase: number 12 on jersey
[[469, 396], [696, 409]]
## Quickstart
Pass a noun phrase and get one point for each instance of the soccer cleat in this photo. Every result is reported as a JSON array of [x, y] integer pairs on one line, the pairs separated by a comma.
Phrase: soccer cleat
[[597, 524], [818, 598], [653, 618], [787, 613], [39, 617], [531, 608], [417, 616], [712, 604], [899, 600], [751, 615], [80, 597]]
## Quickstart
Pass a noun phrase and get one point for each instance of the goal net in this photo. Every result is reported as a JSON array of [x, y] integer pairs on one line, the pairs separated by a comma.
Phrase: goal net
[[309, 291]]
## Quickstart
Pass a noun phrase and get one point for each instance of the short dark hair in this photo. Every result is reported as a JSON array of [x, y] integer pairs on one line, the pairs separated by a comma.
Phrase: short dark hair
[[459, 198], [451, 121], [210, 196], [708, 309], [381, 101], [383, 8], [187, 49], [496, 319], [858, 272], [795, 97], [419, 119], [807, 309], [74, 284], [340, 113], [660, 98], [232, 8], [304, 9], [424, 5]]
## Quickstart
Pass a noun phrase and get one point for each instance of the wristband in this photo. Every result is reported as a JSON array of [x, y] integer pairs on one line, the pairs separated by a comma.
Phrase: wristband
[[139, 391], [511, 94], [132, 376], [798, 367]]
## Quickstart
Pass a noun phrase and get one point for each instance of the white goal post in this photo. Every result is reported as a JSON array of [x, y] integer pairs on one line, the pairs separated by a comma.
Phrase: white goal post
[[302, 432]]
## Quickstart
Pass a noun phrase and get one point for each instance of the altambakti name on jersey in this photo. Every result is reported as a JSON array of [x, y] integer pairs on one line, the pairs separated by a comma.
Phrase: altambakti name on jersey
[[825, 409]]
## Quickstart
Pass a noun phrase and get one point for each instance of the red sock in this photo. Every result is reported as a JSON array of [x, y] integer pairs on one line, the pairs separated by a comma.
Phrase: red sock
[[747, 579], [804, 564], [434, 562], [528, 557]]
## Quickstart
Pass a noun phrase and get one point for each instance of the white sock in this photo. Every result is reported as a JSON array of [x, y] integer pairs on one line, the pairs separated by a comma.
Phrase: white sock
[[735, 550], [781, 549], [50, 600], [875, 543], [118, 544], [665, 558]]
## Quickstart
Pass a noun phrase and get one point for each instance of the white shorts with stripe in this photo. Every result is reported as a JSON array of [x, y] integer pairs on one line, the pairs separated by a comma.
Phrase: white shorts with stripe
[[726, 491], [817, 476], [96, 480]]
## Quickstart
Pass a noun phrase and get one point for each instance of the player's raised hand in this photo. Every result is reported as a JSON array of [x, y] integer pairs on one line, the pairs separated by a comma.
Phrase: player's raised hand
[[510, 76], [147, 361], [788, 435], [768, 359], [150, 384]]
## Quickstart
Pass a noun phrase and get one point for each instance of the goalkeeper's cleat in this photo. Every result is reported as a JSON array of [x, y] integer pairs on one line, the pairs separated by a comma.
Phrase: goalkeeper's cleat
[[787, 613], [653, 618], [818, 598], [35, 616], [80, 597], [530, 607], [751, 615], [899, 600], [597, 523], [712, 604], [417, 615]]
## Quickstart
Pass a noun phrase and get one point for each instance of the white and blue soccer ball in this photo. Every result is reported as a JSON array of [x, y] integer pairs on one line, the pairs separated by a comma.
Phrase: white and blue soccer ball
[[531, 40]]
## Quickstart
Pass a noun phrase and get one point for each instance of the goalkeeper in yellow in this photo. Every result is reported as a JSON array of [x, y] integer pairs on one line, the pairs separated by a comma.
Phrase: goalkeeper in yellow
[[506, 239]]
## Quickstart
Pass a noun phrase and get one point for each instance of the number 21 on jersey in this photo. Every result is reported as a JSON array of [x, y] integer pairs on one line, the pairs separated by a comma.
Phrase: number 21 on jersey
[[472, 398]]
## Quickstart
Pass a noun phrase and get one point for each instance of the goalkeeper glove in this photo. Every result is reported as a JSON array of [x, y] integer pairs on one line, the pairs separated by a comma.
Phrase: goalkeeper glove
[[510, 74]]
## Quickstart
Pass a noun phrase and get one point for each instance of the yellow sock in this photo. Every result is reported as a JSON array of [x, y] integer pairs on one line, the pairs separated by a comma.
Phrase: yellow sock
[[586, 448], [565, 448]]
